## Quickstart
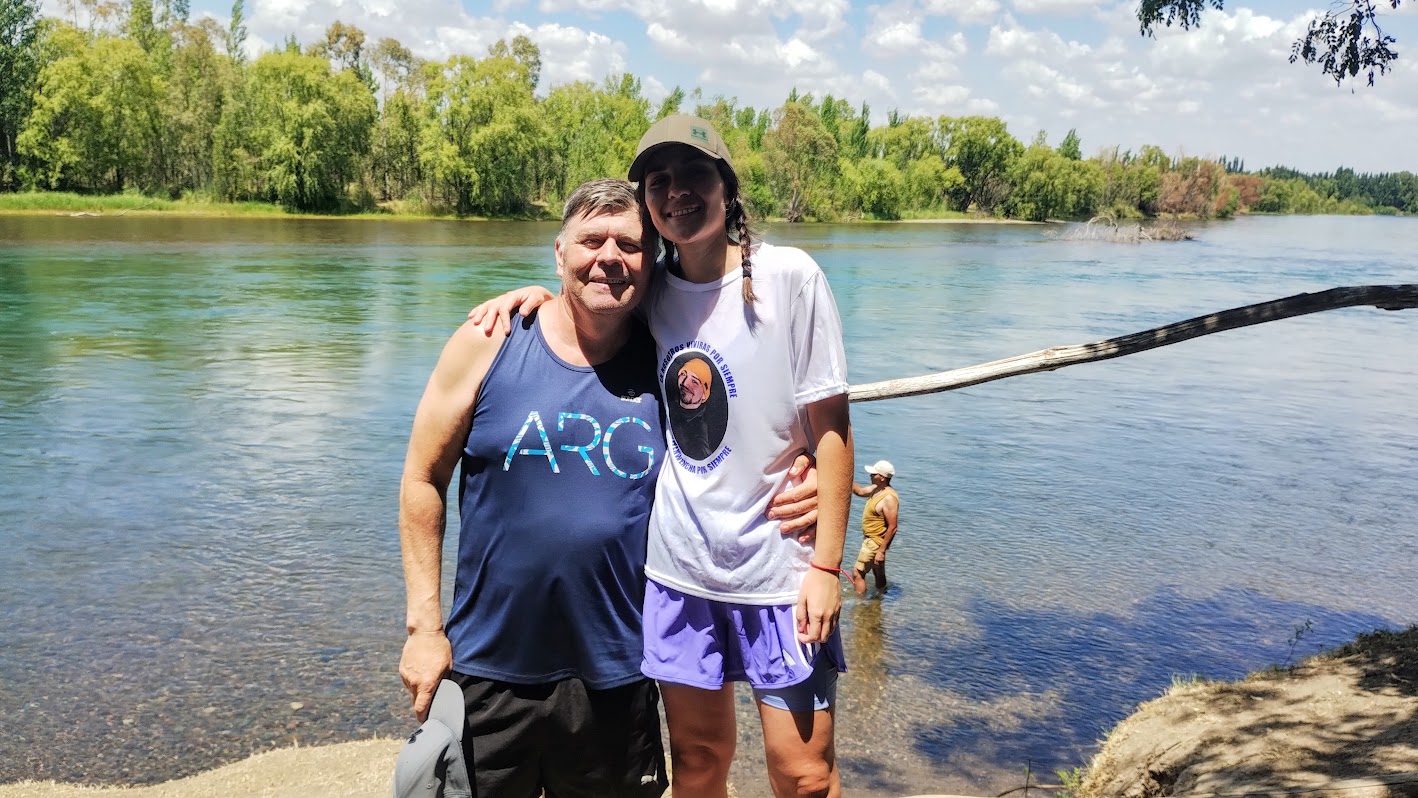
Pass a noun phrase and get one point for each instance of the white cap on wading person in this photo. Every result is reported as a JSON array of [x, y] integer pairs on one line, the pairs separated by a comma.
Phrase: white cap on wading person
[[882, 467]]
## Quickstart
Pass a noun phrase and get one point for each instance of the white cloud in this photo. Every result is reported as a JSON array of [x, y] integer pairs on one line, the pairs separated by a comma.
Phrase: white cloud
[[968, 12], [1059, 7], [1013, 41], [879, 82], [945, 97], [1044, 81], [591, 56], [900, 39]]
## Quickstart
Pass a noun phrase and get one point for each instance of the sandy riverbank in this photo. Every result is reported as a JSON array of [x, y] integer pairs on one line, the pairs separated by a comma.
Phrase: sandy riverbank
[[1344, 720], [349, 770]]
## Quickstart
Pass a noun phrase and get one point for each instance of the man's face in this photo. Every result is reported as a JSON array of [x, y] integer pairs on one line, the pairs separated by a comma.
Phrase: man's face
[[692, 390], [600, 262]]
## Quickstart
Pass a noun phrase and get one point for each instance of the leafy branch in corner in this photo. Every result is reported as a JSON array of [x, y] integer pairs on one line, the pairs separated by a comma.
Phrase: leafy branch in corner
[[1345, 41]]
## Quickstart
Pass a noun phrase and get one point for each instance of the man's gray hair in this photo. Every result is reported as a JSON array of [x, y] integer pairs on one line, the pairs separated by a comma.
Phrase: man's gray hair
[[606, 195]]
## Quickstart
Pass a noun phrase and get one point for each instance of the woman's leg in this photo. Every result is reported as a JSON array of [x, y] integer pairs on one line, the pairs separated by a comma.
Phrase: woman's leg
[[802, 757], [702, 738]]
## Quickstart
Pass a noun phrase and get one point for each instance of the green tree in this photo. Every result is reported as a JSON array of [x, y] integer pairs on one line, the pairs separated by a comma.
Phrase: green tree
[[799, 153], [1128, 186], [343, 46], [525, 53], [201, 81], [1050, 185], [394, 63], [1070, 147], [929, 182], [176, 11], [671, 104], [141, 27], [1345, 41], [907, 140], [19, 66], [593, 131], [872, 187], [1288, 195], [236, 32], [398, 170], [96, 123], [296, 134], [483, 130], [854, 140], [984, 152]]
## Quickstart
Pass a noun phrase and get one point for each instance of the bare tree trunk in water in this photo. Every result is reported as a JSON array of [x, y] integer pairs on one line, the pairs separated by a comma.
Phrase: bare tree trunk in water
[[1385, 297]]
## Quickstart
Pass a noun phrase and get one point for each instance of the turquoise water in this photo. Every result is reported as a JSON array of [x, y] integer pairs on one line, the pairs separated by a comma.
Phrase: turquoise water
[[202, 425]]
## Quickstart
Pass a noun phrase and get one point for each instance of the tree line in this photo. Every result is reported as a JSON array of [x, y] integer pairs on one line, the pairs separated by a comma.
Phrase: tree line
[[140, 98]]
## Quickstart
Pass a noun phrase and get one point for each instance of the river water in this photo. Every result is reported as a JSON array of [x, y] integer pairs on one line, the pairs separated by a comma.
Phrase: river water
[[202, 426]]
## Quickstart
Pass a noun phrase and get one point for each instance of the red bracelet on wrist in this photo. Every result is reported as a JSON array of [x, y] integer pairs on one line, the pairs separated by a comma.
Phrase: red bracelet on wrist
[[834, 571]]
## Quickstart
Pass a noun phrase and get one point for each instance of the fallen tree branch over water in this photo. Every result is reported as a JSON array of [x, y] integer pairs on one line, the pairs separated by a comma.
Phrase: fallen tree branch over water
[[1107, 228], [1385, 297]]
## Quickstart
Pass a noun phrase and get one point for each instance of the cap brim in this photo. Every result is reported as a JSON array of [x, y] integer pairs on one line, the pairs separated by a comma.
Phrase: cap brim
[[637, 166], [447, 707]]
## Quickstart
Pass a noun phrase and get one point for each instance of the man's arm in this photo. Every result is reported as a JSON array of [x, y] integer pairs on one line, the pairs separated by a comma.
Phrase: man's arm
[[440, 430], [820, 598], [888, 507], [862, 490]]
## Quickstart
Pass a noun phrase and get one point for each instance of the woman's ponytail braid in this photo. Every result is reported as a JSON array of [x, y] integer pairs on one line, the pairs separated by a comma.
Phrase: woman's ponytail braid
[[738, 220]]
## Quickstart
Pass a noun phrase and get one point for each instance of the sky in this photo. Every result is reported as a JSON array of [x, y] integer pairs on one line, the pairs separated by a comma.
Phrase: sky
[[1225, 89]]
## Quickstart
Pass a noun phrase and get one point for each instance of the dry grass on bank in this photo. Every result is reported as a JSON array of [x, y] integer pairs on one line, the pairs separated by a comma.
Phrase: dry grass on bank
[[1341, 723], [349, 770]]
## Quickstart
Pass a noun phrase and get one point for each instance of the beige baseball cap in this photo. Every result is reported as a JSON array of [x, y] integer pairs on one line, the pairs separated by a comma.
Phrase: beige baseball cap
[[882, 467], [679, 129]]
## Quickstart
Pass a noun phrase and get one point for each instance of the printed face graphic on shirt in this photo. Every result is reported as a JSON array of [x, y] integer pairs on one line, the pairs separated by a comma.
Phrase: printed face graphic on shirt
[[698, 406], [694, 382]]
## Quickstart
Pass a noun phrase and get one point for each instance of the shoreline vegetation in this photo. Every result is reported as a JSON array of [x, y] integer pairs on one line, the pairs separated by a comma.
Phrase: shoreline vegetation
[[1340, 719], [140, 101], [70, 204], [74, 205]]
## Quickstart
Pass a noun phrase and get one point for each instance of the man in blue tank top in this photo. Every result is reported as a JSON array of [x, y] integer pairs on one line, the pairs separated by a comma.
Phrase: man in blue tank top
[[557, 429]]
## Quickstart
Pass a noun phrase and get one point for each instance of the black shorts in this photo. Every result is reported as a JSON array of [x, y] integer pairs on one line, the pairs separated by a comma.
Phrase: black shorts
[[562, 738]]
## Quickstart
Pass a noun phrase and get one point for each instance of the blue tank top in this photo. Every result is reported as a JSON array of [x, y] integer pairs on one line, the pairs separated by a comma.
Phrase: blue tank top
[[557, 478]]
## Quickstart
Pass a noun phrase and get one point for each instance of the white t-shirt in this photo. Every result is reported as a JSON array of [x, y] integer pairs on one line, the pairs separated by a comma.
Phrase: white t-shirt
[[736, 396]]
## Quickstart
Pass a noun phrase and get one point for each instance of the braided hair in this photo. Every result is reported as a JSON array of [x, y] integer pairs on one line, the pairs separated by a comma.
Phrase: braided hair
[[736, 219]]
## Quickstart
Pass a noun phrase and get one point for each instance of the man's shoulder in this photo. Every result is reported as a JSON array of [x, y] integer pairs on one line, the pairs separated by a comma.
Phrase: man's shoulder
[[468, 353], [471, 339]]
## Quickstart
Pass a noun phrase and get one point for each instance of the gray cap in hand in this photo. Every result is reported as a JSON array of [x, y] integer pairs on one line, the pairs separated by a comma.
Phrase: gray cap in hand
[[431, 762]]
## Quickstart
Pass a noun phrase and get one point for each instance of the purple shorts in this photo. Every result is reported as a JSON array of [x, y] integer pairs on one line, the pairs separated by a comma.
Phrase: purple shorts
[[703, 643]]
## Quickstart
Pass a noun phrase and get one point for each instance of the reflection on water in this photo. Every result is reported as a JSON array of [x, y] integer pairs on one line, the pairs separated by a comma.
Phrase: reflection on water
[[202, 425]]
